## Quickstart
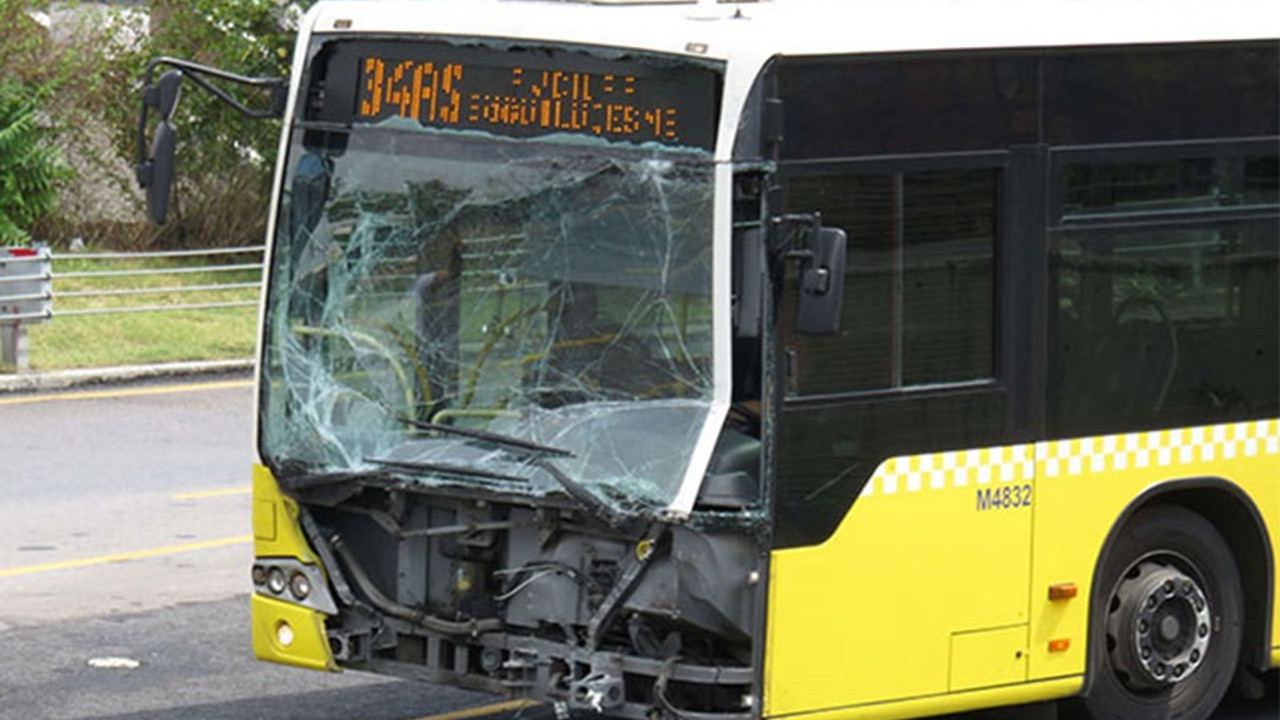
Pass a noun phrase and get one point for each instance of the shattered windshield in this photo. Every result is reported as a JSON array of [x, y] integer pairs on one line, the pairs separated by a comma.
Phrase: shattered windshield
[[464, 308]]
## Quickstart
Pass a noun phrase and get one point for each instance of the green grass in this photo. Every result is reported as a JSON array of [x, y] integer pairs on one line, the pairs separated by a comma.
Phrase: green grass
[[145, 337]]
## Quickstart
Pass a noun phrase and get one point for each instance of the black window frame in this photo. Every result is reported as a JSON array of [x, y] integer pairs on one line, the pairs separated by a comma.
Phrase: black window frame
[[1061, 226], [1004, 254], [1063, 157]]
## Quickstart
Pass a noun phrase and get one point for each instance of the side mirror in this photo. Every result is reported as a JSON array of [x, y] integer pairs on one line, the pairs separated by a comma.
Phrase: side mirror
[[159, 171], [155, 173], [166, 94], [822, 282]]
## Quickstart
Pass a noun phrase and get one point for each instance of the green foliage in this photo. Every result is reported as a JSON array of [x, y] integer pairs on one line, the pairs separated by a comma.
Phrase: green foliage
[[29, 165], [90, 88], [250, 37], [225, 160], [22, 43]]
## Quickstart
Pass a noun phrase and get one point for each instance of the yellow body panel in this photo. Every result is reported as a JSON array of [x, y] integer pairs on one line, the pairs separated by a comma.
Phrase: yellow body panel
[[957, 702], [277, 534], [988, 658], [1085, 485], [868, 615], [309, 647], [920, 592]]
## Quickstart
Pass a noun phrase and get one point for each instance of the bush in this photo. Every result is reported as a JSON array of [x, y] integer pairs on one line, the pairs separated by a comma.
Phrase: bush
[[29, 165]]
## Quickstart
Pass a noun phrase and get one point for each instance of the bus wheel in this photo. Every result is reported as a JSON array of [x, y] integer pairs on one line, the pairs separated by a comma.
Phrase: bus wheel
[[1166, 636]]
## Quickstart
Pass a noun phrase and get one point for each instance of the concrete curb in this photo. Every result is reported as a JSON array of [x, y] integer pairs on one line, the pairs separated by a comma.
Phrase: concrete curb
[[63, 379]]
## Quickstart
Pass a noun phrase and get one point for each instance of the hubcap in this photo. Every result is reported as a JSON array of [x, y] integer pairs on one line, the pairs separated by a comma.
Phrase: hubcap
[[1159, 627]]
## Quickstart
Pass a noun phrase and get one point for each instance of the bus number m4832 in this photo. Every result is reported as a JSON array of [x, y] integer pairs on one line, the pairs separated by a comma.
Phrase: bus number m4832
[[1004, 498]]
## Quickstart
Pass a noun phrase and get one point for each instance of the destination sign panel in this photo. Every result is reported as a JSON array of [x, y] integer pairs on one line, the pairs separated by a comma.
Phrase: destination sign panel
[[525, 93]]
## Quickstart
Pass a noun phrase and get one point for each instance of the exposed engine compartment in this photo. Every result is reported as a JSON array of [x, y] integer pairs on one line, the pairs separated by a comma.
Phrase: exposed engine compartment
[[534, 598]]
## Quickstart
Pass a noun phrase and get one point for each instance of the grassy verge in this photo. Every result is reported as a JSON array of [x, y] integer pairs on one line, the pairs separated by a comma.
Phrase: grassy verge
[[146, 337]]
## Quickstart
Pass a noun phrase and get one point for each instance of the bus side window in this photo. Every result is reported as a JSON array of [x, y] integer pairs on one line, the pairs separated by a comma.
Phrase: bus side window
[[1162, 327], [1160, 317], [906, 370], [919, 305]]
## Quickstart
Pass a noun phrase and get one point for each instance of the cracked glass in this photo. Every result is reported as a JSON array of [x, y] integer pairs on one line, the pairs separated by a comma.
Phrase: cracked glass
[[457, 307]]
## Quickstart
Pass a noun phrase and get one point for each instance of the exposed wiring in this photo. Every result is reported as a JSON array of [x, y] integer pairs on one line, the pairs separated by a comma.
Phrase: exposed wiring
[[538, 571], [527, 582]]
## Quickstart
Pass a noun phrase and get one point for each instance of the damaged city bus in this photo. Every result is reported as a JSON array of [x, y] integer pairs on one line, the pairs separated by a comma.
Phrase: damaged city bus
[[742, 360]]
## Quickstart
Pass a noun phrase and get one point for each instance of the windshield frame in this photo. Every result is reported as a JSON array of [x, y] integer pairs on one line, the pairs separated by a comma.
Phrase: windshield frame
[[721, 174]]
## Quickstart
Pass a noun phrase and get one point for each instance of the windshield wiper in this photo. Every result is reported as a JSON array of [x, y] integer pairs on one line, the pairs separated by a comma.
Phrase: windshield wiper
[[537, 456], [446, 469], [504, 441], [575, 490]]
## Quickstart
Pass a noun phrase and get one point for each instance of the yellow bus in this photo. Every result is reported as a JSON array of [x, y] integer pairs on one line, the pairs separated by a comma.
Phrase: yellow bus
[[777, 359]]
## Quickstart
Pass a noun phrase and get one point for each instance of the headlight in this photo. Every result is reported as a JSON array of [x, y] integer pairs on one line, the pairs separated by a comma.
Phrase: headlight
[[275, 580], [300, 586], [293, 581]]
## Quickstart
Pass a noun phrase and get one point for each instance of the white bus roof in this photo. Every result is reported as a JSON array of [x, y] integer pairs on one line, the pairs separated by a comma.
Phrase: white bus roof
[[751, 31]]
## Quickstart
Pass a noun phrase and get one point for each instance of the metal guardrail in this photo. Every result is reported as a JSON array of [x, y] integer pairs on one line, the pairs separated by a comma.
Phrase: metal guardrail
[[29, 285], [26, 298], [152, 272]]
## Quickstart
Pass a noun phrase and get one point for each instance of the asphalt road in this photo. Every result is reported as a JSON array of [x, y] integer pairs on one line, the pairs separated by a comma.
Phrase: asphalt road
[[124, 555]]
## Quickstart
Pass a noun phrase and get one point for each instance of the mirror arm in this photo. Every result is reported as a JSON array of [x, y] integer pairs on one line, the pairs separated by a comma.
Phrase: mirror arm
[[197, 72], [151, 96], [275, 111], [788, 248]]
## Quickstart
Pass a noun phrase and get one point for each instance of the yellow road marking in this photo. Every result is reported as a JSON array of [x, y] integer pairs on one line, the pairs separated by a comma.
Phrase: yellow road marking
[[202, 494], [120, 557], [130, 392], [481, 711]]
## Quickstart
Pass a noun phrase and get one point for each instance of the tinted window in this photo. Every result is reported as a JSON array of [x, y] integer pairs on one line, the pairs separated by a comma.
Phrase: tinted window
[[1118, 185], [1150, 94], [920, 283], [1162, 327], [826, 455], [858, 106]]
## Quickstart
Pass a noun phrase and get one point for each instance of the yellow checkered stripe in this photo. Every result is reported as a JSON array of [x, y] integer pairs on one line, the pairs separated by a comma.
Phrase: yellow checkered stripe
[[919, 473], [1159, 449], [1080, 456]]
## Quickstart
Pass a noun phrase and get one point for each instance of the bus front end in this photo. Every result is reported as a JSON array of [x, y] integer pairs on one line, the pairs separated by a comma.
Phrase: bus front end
[[490, 387]]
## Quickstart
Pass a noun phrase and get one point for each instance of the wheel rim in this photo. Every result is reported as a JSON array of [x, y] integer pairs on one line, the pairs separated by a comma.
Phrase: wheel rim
[[1159, 629]]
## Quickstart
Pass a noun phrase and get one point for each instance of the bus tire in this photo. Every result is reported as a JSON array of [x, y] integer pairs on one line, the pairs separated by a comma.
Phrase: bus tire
[[1166, 626]]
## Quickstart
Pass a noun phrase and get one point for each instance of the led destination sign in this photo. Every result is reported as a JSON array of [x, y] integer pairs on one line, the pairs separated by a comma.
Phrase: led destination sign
[[527, 93]]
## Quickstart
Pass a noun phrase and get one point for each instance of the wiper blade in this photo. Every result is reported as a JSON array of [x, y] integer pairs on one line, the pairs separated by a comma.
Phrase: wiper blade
[[504, 441], [294, 475], [585, 497], [446, 469], [537, 456]]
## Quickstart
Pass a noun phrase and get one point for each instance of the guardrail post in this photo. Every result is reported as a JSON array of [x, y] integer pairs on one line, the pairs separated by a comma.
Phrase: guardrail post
[[13, 346], [26, 297]]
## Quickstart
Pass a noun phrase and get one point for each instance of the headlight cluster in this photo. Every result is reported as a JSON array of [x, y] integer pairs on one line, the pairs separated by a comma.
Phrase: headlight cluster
[[275, 579], [292, 580]]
